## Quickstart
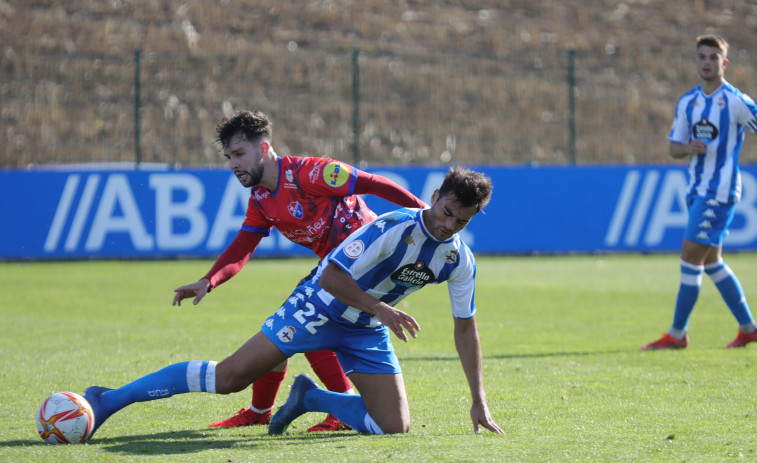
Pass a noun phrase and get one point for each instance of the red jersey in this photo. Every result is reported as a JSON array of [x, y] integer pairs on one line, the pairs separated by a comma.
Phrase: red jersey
[[313, 205]]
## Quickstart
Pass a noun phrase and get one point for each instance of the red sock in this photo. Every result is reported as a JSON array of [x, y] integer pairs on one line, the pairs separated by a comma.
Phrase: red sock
[[329, 371], [265, 389]]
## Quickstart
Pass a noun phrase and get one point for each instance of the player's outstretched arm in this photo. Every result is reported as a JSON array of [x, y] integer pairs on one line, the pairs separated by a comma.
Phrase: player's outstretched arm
[[384, 188], [341, 285], [469, 351], [198, 290]]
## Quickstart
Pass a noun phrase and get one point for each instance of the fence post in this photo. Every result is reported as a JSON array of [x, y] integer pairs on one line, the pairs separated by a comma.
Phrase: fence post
[[356, 105], [572, 103], [137, 104]]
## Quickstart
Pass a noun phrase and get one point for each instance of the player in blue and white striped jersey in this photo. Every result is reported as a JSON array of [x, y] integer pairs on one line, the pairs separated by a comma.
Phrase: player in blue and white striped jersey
[[709, 126], [348, 307], [409, 258]]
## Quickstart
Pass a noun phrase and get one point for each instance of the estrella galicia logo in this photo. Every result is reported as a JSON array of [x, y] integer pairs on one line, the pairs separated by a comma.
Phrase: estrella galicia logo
[[413, 275], [705, 130], [295, 209]]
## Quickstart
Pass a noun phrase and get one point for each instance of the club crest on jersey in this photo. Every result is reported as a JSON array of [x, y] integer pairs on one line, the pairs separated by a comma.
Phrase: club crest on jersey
[[354, 249], [295, 210], [450, 257], [335, 174], [416, 274], [704, 130], [286, 334]]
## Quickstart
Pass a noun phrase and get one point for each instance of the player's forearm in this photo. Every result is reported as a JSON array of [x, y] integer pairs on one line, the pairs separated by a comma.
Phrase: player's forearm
[[469, 351], [233, 259], [679, 150], [340, 284]]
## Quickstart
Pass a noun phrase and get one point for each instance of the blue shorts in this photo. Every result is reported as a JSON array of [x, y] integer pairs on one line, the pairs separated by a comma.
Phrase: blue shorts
[[708, 220], [303, 325]]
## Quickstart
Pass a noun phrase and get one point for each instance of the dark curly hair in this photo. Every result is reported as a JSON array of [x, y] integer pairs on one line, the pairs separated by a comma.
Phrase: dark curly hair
[[252, 125], [471, 188]]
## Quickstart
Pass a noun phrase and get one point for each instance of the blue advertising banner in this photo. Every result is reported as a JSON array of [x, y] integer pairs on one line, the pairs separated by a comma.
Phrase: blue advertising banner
[[165, 213]]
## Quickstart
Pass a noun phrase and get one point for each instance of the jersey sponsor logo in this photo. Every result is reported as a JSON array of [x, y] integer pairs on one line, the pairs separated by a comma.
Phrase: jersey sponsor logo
[[295, 209], [286, 334], [289, 175], [705, 130], [413, 275], [335, 174], [354, 249], [313, 175], [261, 195]]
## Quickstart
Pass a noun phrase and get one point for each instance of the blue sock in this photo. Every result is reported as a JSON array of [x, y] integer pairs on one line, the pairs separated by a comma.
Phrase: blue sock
[[349, 408], [179, 378], [730, 288], [688, 292]]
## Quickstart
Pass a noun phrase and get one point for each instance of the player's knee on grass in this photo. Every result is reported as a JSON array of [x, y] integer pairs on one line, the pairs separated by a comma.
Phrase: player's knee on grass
[[398, 423]]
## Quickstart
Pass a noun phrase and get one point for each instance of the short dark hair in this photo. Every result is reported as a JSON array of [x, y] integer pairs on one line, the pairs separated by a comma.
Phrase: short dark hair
[[252, 125], [715, 41], [471, 188]]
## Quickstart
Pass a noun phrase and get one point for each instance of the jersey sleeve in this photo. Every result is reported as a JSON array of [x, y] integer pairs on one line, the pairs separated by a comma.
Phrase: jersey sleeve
[[384, 188], [254, 221], [747, 113], [679, 133], [367, 246], [327, 177], [234, 258], [461, 286]]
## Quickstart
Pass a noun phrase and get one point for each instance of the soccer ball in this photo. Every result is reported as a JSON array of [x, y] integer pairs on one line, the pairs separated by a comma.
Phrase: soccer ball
[[65, 418]]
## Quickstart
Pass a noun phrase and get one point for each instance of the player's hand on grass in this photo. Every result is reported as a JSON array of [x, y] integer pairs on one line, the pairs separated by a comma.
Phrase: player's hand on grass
[[198, 290], [396, 320], [479, 413]]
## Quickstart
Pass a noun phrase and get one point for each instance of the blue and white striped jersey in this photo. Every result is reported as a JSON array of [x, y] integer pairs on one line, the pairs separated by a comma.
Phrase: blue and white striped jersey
[[720, 120], [394, 256]]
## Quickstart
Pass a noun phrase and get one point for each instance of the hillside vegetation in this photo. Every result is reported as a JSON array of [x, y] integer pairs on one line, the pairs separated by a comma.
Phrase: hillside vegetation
[[478, 82]]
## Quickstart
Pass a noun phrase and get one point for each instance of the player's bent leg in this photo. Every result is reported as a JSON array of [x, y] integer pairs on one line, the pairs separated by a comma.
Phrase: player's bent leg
[[328, 369], [385, 400], [249, 363], [264, 392]]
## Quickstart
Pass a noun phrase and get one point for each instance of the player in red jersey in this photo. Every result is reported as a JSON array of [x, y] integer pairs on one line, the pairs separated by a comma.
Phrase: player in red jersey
[[311, 201]]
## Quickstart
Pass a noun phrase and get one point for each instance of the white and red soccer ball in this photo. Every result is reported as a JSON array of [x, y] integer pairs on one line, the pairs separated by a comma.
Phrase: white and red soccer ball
[[65, 418]]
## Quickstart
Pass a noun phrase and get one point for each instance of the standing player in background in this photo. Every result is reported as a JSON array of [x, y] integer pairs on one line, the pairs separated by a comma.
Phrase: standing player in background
[[709, 127], [348, 306], [312, 202]]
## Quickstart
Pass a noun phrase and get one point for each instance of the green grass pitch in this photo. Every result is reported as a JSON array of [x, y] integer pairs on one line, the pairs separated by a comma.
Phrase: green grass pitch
[[564, 374]]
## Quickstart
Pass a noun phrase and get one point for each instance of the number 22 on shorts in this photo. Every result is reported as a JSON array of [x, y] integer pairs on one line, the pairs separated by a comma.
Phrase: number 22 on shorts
[[302, 315]]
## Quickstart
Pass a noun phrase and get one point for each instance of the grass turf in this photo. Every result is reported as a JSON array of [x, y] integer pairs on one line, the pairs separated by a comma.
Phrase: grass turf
[[563, 371]]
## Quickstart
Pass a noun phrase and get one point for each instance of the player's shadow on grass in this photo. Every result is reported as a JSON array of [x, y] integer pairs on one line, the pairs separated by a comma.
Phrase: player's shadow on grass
[[189, 442], [519, 356]]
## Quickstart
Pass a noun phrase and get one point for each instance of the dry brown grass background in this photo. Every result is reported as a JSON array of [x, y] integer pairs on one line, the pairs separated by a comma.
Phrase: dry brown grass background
[[476, 82]]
